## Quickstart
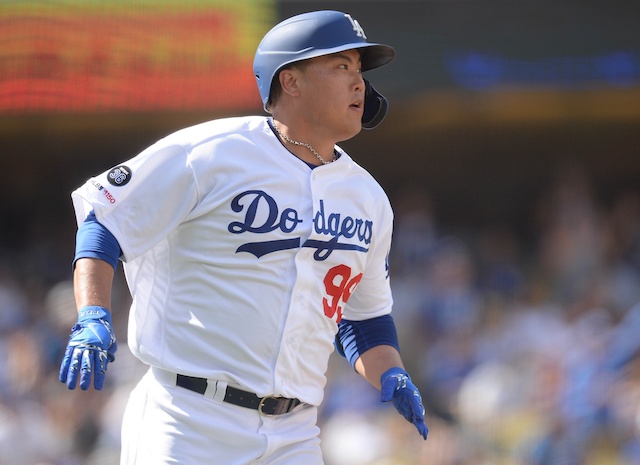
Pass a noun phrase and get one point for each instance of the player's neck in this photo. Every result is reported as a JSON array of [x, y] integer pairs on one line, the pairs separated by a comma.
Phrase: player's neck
[[296, 142]]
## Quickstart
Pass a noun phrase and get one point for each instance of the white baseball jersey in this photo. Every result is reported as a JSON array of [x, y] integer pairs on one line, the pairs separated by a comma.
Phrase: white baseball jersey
[[240, 258]]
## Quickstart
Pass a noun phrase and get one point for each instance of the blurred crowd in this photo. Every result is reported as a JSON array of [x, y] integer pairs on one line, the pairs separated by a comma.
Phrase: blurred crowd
[[525, 348]]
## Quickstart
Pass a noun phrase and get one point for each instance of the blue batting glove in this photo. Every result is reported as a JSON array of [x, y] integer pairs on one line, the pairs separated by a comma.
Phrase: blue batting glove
[[397, 387], [92, 345]]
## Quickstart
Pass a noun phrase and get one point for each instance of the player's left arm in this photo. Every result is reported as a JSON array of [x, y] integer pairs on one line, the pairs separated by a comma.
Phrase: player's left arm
[[375, 361], [371, 346]]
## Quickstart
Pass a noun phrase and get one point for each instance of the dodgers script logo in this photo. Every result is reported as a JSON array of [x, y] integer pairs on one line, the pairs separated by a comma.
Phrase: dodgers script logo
[[262, 215]]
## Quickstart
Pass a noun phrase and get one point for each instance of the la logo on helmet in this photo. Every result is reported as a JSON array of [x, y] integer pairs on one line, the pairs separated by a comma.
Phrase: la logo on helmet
[[356, 26]]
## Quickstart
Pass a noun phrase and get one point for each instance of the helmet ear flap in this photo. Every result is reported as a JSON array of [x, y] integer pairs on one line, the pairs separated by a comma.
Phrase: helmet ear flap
[[375, 106]]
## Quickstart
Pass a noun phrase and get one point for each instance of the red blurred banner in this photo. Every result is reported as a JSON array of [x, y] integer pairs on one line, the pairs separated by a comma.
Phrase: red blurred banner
[[127, 59]]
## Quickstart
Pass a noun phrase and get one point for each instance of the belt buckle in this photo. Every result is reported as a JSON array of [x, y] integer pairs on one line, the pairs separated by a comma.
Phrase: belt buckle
[[261, 406]]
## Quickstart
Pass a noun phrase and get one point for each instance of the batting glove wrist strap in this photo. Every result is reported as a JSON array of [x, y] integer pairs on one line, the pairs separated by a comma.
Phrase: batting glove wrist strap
[[92, 345], [396, 387]]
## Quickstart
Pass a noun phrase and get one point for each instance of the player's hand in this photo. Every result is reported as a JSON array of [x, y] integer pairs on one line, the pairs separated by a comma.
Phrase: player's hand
[[92, 345], [398, 388]]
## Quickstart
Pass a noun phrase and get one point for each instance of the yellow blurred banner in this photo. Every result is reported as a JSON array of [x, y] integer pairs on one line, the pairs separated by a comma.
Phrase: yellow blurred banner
[[86, 56]]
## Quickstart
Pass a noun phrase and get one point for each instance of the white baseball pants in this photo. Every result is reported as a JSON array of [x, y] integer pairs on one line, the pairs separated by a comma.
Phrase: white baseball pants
[[165, 424]]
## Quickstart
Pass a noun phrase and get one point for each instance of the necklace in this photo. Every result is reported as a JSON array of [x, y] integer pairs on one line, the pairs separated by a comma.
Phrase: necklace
[[302, 144]]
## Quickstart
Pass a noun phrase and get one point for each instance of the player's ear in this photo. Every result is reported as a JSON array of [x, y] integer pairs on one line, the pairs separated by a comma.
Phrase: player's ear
[[289, 81]]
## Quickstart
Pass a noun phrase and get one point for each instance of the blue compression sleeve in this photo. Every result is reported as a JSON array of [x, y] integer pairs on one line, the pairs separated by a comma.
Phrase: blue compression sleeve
[[356, 337], [93, 240]]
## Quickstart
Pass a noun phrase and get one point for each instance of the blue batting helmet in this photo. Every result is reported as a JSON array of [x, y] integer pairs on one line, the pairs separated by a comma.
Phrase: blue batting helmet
[[310, 35]]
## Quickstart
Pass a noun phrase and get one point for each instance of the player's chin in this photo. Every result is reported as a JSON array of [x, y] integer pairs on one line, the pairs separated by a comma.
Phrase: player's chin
[[350, 131], [352, 125]]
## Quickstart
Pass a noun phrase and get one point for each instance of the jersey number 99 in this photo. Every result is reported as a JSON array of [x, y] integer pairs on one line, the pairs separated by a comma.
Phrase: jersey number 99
[[339, 286]]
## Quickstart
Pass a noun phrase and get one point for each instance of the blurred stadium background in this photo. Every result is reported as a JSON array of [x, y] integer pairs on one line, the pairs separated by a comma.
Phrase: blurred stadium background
[[511, 154]]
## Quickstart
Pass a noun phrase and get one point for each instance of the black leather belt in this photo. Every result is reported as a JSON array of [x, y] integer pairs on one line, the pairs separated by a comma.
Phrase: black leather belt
[[269, 405]]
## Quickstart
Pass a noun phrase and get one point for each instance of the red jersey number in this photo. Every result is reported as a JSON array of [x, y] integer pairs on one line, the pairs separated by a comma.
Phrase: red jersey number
[[339, 286]]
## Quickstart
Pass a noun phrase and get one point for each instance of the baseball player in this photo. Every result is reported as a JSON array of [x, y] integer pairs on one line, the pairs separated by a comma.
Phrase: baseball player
[[252, 247]]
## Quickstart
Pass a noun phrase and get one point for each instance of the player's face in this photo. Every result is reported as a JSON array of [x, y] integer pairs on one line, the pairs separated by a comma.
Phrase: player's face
[[333, 91]]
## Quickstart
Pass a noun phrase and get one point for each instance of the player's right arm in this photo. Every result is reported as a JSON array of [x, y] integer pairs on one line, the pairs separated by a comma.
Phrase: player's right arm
[[92, 343], [92, 281]]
